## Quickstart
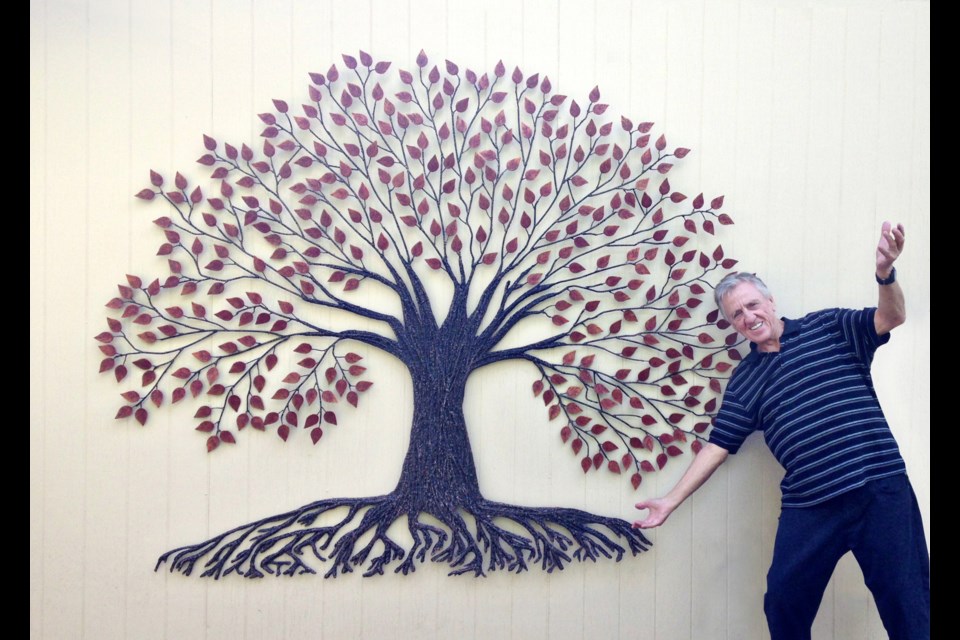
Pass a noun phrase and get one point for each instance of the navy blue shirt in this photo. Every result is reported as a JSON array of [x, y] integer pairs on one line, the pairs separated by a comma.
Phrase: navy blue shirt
[[815, 403]]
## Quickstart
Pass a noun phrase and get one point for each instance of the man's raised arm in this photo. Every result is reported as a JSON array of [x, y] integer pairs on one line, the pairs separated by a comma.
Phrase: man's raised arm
[[891, 308]]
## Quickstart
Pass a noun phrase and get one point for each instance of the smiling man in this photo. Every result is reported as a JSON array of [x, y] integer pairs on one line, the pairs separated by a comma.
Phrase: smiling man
[[806, 385]]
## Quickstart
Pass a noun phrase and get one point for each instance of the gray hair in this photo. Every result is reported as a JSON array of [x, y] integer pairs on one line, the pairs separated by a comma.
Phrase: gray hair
[[731, 280]]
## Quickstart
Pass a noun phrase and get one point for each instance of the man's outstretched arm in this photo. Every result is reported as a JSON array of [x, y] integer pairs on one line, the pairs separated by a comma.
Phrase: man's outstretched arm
[[891, 308], [704, 464]]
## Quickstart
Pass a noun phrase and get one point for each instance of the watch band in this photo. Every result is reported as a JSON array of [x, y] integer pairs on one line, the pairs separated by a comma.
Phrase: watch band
[[890, 279]]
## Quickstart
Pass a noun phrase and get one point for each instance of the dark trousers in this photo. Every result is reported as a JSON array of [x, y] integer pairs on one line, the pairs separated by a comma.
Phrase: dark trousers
[[880, 523]]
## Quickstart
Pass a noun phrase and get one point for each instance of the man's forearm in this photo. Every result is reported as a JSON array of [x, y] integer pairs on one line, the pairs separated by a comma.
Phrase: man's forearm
[[891, 307], [702, 467]]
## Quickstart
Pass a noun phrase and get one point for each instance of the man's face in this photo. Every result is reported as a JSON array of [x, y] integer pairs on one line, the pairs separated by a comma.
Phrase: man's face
[[752, 315]]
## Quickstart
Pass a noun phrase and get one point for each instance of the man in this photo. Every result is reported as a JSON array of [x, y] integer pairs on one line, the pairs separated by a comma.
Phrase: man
[[806, 384]]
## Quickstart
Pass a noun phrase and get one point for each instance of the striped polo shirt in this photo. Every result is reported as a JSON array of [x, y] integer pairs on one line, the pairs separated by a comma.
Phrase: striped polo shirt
[[815, 403]]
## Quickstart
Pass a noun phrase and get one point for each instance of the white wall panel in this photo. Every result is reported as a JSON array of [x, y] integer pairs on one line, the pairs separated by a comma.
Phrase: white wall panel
[[106, 234], [38, 306], [811, 118], [63, 357]]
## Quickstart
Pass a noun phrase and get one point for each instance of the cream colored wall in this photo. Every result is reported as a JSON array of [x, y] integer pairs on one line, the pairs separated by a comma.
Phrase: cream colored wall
[[811, 117]]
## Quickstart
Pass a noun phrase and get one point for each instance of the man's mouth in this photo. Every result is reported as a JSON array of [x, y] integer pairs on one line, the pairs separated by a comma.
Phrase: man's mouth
[[756, 326]]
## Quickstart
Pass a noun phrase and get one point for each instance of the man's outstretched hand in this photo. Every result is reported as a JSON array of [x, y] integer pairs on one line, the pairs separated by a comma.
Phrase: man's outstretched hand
[[889, 247], [659, 511]]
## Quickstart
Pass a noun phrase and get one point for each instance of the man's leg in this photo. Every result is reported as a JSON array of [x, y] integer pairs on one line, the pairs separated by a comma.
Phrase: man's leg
[[892, 552], [809, 543]]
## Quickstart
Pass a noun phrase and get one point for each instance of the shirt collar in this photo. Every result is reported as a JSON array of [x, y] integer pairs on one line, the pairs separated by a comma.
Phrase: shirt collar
[[791, 327]]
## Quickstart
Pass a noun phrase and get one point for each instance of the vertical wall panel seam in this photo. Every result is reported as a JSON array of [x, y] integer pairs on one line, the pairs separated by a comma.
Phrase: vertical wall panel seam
[[44, 433], [169, 585], [129, 180], [840, 191], [699, 161], [922, 17], [811, 126], [173, 119], [727, 480], [691, 606], [86, 296], [840, 143], [630, 98], [911, 134]]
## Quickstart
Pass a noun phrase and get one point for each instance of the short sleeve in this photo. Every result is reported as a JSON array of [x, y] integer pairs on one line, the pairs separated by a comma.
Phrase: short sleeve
[[734, 421], [858, 329]]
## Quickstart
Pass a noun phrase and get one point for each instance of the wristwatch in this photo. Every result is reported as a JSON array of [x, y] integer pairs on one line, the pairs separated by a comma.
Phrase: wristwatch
[[890, 279]]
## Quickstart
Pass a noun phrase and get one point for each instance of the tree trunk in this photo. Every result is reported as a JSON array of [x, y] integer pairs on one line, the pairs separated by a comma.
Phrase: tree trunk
[[439, 471]]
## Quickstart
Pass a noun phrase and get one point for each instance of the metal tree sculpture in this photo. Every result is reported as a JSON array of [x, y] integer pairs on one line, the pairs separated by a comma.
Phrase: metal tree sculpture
[[529, 207]]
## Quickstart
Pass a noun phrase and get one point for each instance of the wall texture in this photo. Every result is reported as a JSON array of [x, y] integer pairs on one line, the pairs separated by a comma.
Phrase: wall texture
[[811, 117]]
